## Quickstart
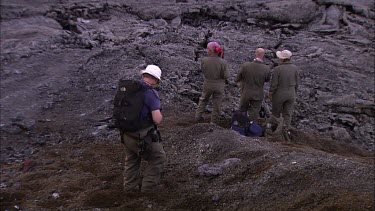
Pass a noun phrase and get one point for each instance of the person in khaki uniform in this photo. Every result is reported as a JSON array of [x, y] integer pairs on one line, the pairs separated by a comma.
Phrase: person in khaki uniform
[[151, 150], [215, 71], [284, 86], [252, 77]]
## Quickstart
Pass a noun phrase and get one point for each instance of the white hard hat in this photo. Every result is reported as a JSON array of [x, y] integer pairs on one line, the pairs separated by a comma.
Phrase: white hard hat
[[153, 70]]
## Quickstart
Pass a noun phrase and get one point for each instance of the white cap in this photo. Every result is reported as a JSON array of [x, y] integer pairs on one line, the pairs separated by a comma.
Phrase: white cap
[[285, 54], [153, 70]]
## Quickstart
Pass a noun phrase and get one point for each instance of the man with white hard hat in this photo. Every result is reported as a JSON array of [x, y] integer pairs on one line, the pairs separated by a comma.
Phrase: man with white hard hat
[[154, 155], [284, 86]]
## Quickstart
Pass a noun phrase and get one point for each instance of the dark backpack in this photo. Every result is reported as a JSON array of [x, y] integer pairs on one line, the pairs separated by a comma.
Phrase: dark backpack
[[128, 104]]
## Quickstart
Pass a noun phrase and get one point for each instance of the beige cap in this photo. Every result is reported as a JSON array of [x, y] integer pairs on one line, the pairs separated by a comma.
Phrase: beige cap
[[285, 54]]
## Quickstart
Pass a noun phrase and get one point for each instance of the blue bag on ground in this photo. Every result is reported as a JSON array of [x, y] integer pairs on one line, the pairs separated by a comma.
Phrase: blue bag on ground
[[242, 125], [254, 130], [240, 122]]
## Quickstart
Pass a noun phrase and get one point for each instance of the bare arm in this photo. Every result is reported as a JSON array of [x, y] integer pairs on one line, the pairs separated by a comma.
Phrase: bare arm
[[156, 116]]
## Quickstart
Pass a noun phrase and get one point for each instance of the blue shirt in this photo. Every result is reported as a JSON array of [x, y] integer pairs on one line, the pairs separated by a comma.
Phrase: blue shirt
[[151, 101]]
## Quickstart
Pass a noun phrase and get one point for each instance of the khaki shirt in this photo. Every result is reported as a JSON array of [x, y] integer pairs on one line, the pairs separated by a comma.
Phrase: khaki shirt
[[285, 77], [214, 68], [252, 77]]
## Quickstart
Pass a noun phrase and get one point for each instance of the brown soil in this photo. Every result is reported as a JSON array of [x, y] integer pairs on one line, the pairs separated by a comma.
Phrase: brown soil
[[87, 174]]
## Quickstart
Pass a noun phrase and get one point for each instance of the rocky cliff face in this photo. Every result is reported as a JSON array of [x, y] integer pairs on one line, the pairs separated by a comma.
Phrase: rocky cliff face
[[61, 60], [53, 53]]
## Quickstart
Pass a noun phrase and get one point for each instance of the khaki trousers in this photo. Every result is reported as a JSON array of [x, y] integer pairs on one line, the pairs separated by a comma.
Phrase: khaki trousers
[[216, 90], [155, 158], [283, 103], [251, 106]]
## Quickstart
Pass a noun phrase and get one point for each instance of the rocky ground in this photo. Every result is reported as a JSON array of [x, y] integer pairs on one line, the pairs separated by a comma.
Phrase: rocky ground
[[61, 60]]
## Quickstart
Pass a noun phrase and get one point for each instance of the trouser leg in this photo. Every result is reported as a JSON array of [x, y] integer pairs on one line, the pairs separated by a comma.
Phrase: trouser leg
[[287, 112], [254, 109], [216, 106], [244, 103], [277, 106], [132, 164], [217, 98], [203, 101], [154, 168]]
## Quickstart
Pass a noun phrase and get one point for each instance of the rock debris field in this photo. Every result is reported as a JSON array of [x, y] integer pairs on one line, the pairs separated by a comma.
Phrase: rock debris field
[[60, 64]]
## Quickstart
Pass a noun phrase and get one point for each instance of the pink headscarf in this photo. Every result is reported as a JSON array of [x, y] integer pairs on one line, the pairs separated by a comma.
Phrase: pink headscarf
[[216, 48]]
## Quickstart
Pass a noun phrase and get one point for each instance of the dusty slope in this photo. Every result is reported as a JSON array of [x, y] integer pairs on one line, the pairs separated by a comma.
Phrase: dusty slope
[[259, 175]]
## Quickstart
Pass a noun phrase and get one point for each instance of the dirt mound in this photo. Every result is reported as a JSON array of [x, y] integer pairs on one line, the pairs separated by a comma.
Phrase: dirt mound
[[209, 168]]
